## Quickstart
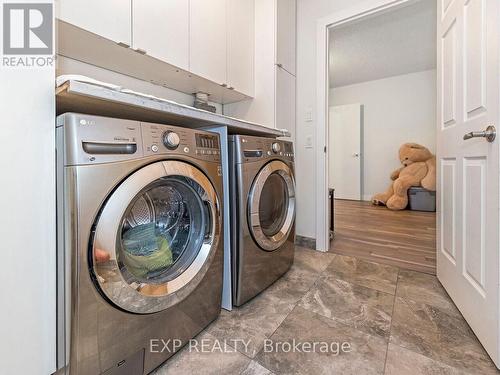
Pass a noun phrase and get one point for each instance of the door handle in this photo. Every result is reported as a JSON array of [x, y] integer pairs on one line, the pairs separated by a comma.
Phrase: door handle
[[490, 134]]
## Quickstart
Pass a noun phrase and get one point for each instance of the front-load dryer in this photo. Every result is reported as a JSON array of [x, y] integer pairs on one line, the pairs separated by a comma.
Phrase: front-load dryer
[[139, 242], [263, 213]]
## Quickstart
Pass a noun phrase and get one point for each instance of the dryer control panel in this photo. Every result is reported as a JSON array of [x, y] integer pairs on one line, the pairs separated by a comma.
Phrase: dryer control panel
[[250, 149]]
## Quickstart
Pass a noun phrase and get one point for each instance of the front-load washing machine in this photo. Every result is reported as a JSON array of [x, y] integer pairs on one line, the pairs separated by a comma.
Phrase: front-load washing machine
[[139, 242], [263, 213]]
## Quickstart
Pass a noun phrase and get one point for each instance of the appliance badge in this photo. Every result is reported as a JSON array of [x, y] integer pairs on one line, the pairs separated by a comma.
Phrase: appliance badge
[[86, 122]]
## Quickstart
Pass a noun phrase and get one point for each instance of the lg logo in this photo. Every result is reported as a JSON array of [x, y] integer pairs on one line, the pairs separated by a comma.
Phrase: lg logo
[[27, 29]]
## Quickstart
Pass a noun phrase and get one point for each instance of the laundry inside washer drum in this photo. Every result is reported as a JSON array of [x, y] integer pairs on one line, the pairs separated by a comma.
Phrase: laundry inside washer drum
[[163, 230], [145, 250]]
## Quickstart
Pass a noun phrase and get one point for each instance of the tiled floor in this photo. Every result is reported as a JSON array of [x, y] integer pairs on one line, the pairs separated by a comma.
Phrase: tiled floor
[[395, 322]]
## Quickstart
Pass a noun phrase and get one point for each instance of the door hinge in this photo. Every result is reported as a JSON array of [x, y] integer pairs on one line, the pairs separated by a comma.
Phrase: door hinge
[[324, 149]]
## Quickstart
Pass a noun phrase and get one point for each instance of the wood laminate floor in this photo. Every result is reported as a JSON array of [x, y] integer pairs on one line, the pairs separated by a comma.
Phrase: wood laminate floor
[[406, 239]]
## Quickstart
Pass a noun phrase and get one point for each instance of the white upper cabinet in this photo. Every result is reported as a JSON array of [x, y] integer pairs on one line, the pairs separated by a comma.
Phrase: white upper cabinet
[[161, 28], [241, 45], [285, 101], [207, 39], [213, 39], [110, 19], [286, 34]]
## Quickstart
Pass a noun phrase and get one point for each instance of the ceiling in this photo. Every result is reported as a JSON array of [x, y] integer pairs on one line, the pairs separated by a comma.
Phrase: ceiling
[[398, 42]]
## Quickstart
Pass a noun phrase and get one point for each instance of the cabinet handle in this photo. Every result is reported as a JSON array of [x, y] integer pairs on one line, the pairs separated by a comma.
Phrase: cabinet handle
[[223, 84], [231, 88], [123, 44], [141, 51]]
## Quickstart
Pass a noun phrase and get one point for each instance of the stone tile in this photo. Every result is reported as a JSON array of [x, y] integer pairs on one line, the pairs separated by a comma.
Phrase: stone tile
[[307, 267], [258, 319], [403, 361], [214, 362], [421, 287], [292, 286], [254, 368], [312, 260], [368, 274], [436, 334], [363, 308], [253, 322], [365, 354]]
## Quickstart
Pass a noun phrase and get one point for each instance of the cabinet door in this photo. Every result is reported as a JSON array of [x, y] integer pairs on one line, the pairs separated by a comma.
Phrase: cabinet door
[[286, 34], [207, 39], [110, 19], [161, 28], [241, 45], [285, 101]]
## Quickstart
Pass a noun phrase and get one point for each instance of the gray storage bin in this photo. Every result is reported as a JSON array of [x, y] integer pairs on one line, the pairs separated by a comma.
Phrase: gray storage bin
[[420, 199]]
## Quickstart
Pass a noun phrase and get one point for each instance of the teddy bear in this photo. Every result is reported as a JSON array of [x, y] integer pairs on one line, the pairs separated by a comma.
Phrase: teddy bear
[[419, 169]]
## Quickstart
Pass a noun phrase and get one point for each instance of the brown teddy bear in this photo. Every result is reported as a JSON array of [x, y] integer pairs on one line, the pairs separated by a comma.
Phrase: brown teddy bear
[[419, 169]]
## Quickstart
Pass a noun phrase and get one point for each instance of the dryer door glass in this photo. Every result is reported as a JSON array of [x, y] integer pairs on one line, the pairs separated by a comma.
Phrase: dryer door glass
[[271, 205], [156, 237]]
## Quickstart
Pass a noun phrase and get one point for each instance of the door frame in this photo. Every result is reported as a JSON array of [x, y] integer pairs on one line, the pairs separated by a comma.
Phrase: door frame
[[323, 26]]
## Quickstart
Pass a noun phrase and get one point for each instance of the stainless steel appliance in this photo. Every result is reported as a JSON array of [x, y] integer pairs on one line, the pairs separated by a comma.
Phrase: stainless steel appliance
[[139, 242], [263, 213]]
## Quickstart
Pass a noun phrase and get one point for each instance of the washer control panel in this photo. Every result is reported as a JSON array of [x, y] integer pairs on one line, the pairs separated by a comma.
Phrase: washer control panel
[[95, 139], [159, 139]]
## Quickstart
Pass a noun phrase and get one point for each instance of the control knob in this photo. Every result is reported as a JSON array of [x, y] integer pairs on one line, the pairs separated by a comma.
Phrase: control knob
[[276, 147], [171, 140]]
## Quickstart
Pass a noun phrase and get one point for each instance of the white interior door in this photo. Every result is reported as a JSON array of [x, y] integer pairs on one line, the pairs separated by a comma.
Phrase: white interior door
[[468, 170], [344, 134]]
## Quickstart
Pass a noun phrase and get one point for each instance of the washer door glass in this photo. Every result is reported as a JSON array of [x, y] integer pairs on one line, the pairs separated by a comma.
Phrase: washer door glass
[[156, 237], [162, 230], [271, 205]]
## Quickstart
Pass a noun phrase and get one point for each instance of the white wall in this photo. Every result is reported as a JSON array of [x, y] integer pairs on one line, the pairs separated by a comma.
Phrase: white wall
[[396, 110], [27, 221], [308, 14]]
